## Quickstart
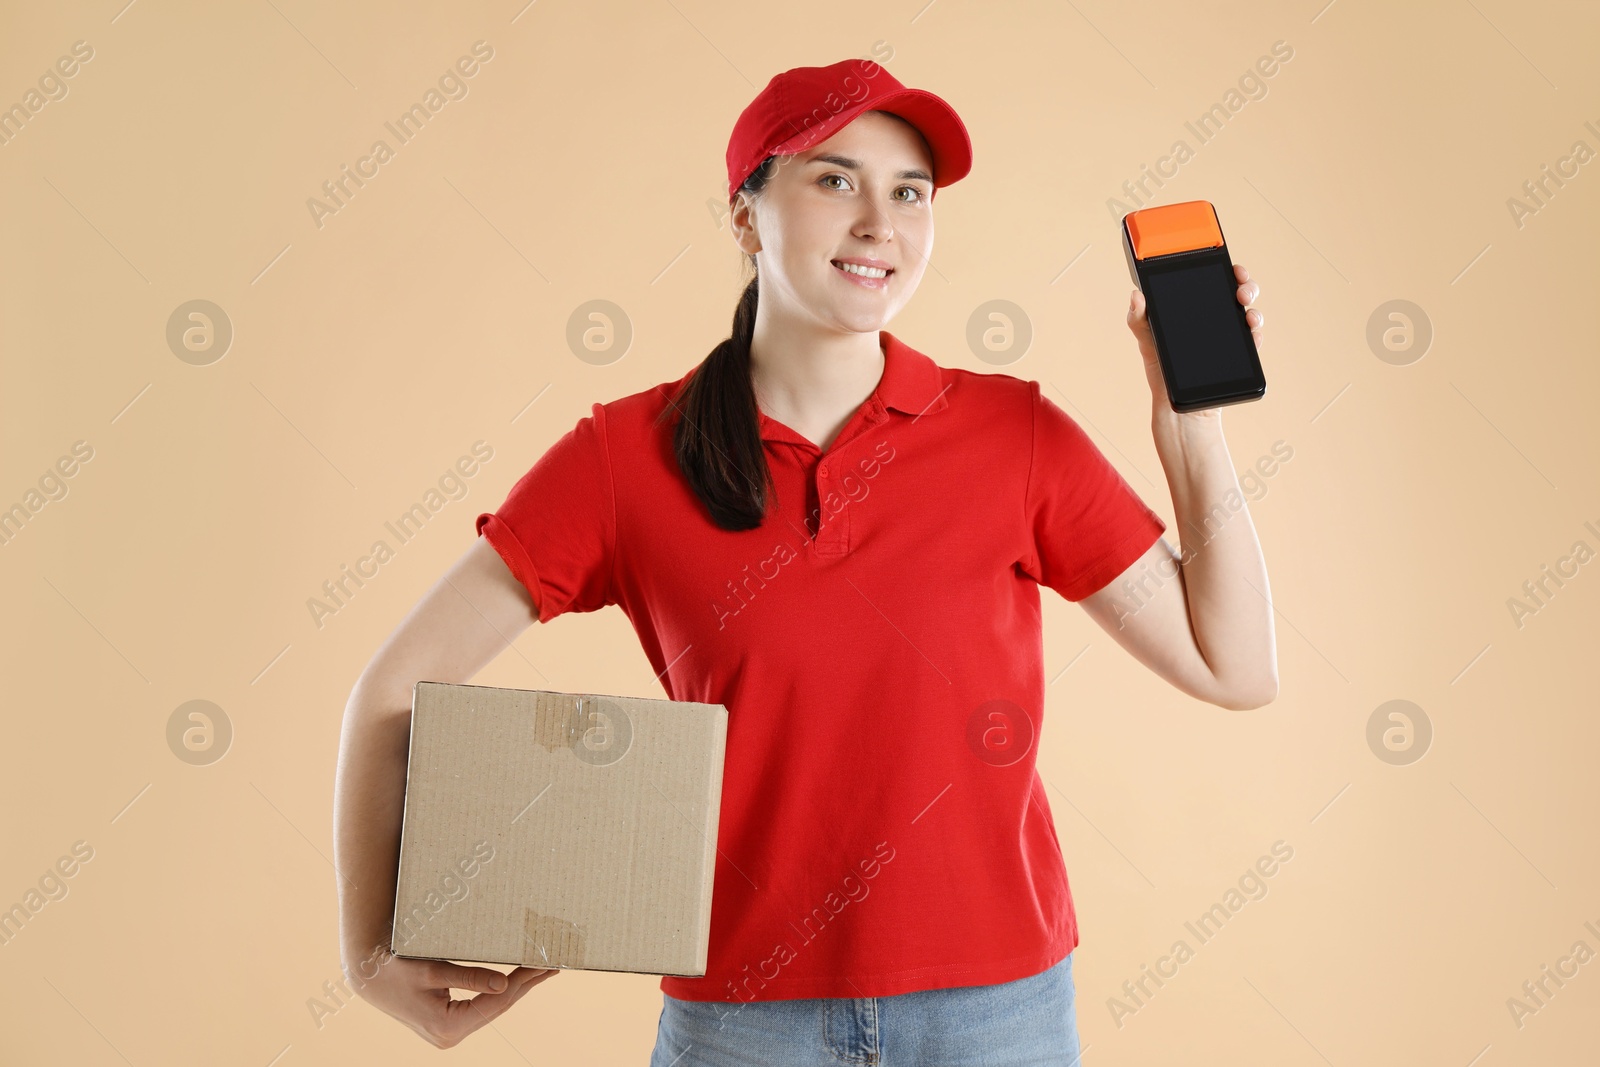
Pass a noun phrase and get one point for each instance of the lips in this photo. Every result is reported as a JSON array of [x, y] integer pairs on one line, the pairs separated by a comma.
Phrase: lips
[[863, 281], [873, 270]]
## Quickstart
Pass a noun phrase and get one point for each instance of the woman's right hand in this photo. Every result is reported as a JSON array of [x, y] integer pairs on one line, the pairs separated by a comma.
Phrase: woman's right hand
[[417, 992], [463, 622]]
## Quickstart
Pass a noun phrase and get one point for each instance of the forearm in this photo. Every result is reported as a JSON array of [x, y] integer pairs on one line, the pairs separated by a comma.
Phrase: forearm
[[369, 805], [1224, 573]]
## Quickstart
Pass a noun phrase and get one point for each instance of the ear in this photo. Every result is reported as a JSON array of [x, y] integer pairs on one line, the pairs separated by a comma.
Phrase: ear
[[742, 220]]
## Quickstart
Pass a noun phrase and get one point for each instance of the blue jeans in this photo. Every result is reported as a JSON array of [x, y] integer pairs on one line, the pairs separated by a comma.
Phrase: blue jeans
[[1030, 1022]]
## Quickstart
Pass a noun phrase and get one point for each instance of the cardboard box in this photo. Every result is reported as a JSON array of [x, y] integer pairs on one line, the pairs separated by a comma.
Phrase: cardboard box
[[572, 830]]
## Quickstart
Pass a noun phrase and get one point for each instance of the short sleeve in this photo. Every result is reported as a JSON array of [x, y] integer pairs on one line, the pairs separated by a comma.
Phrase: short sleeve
[[1085, 523], [556, 529]]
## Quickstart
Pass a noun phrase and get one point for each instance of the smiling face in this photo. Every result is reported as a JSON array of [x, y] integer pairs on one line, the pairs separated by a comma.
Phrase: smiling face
[[862, 198]]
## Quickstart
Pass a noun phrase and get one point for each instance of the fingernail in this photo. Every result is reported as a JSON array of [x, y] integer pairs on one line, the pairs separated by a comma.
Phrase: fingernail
[[497, 983]]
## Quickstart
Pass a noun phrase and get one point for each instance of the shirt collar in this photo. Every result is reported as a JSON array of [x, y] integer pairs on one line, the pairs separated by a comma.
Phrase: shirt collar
[[911, 383]]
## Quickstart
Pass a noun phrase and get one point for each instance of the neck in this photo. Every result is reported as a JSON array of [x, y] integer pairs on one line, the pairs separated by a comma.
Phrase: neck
[[809, 377]]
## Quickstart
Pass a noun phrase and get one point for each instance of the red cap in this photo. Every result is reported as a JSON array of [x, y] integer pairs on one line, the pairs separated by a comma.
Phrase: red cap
[[807, 105]]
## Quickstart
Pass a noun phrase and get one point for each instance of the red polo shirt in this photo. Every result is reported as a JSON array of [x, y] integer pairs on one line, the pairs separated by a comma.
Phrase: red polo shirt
[[877, 644]]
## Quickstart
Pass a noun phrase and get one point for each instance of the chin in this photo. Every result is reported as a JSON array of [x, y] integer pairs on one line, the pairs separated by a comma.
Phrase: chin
[[862, 316], [863, 323]]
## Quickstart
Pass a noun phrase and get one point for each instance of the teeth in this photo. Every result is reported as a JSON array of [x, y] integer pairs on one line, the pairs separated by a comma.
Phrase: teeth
[[865, 272]]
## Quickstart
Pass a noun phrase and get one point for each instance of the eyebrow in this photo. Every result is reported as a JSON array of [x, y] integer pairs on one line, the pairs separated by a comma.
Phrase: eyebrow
[[855, 164]]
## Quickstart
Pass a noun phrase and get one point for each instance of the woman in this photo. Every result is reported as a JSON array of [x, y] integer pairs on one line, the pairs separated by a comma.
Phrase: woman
[[842, 542]]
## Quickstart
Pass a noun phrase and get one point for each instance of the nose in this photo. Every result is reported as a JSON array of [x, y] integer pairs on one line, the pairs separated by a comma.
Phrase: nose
[[873, 224]]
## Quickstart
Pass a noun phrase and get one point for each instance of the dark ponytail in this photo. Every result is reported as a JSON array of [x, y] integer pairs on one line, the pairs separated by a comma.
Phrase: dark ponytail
[[718, 436]]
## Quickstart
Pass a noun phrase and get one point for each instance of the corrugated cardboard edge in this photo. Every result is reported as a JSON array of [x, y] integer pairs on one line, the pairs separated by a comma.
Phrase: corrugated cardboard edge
[[405, 815], [709, 871]]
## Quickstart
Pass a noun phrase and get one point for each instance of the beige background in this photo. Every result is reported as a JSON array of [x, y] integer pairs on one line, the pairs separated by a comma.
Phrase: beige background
[[431, 312]]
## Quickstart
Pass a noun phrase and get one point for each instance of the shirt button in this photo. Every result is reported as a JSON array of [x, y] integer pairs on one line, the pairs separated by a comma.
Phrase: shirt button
[[824, 472]]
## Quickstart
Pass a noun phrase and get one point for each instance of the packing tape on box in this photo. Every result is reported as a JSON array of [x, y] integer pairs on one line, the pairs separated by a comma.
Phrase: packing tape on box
[[551, 939], [556, 724]]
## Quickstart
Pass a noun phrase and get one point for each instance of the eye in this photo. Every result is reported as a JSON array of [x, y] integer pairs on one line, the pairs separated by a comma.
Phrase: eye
[[918, 199]]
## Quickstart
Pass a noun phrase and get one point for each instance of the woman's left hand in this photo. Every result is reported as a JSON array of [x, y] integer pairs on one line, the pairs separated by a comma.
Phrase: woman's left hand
[[1139, 323]]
